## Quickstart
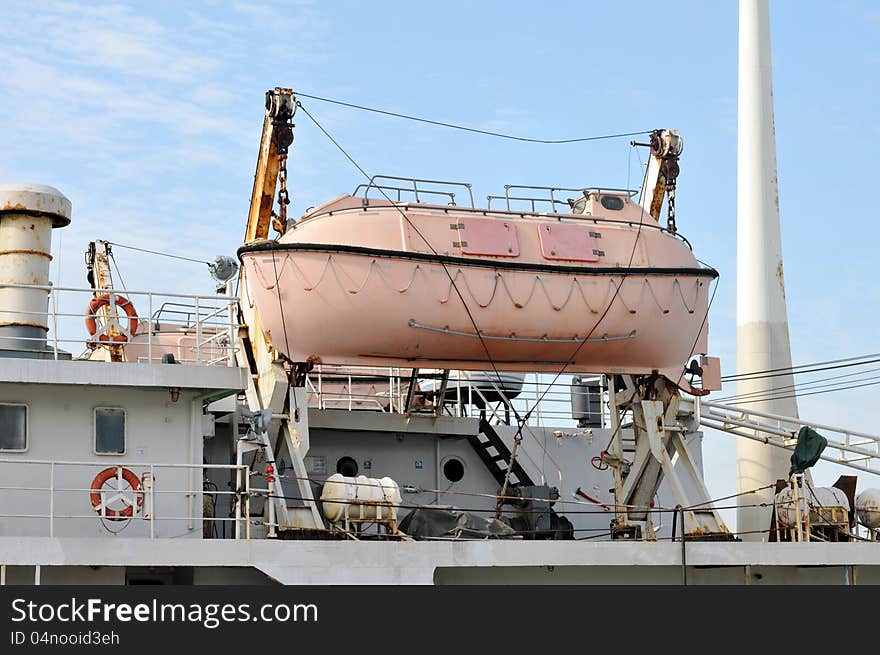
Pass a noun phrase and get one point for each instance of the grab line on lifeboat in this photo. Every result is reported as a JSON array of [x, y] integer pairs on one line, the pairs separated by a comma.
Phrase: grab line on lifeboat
[[545, 339]]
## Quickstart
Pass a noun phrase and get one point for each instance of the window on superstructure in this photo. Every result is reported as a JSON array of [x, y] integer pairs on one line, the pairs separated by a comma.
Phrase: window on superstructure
[[614, 203], [109, 431], [13, 427]]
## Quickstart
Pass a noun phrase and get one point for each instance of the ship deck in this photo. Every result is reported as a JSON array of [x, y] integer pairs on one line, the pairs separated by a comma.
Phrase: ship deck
[[442, 562]]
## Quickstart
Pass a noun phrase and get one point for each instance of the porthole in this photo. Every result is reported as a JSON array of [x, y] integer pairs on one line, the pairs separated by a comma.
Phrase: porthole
[[453, 469], [347, 466]]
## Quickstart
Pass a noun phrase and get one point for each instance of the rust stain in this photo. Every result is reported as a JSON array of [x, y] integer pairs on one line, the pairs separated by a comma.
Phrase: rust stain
[[26, 251], [780, 277]]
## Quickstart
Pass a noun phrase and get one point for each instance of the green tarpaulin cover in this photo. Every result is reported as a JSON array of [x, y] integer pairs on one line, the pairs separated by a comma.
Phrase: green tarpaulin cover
[[810, 445]]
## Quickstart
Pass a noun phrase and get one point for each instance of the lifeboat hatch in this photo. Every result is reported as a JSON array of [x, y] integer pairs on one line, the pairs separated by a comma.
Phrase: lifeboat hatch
[[571, 242], [486, 236]]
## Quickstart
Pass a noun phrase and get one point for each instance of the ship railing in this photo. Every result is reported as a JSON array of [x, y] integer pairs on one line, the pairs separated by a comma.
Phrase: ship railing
[[196, 329], [548, 197], [850, 448], [383, 183], [172, 500], [546, 402]]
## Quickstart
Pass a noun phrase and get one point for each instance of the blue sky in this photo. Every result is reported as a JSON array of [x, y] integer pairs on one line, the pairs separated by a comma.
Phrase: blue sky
[[148, 115]]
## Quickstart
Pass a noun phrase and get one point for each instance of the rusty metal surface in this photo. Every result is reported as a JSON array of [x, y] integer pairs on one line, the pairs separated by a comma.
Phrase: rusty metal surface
[[23, 324], [276, 139], [35, 199], [26, 251]]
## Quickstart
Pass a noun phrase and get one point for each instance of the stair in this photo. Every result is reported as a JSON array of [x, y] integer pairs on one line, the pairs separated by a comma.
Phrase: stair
[[495, 455]]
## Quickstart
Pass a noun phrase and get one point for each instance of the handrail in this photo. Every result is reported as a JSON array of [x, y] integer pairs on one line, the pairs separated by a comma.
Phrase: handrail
[[550, 189], [386, 187], [415, 186], [366, 388], [148, 512], [211, 319], [781, 431]]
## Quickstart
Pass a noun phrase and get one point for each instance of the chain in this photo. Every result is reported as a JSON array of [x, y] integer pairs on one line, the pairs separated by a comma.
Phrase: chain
[[280, 222], [283, 139], [670, 170], [670, 223]]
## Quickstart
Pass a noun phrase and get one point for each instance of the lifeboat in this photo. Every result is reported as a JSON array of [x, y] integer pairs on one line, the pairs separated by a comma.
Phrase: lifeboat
[[599, 287]]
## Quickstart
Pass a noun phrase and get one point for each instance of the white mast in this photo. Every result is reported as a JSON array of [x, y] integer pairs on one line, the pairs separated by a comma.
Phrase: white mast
[[762, 340]]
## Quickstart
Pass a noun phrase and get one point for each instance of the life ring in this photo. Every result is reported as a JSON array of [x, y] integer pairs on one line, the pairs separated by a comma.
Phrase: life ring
[[98, 492], [122, 335]]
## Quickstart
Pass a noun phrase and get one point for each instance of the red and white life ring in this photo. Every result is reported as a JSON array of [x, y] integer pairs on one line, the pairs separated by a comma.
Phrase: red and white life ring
[[121, 335], [101, 497]]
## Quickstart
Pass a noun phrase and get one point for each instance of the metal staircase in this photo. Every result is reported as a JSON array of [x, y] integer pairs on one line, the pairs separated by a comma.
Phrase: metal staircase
[[497, 462]]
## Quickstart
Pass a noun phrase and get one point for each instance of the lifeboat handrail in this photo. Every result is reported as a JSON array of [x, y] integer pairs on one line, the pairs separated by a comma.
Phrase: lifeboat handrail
[[530, 200], [513, 337], [374, 184], [185, 310], [550, 189], [399, 190]]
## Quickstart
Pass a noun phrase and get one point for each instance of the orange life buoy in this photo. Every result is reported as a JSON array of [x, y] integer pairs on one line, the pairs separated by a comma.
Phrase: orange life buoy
[[97, 493], [103, 301]]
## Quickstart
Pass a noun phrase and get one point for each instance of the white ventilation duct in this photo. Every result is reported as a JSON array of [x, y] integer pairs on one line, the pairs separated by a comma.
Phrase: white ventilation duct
[[28, 212]]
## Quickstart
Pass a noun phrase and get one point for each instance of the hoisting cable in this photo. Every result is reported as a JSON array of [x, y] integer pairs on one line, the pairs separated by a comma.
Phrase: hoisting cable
[[519, 418], [474, 130], [427, 242], [624, 276], [161, 254]]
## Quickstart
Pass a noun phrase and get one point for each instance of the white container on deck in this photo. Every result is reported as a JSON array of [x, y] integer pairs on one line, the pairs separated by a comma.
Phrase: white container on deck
[[868, 508], [820, 499], [359, 498]]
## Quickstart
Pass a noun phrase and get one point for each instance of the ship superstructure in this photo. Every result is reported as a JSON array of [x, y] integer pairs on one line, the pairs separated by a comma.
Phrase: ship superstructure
[[400, 387]]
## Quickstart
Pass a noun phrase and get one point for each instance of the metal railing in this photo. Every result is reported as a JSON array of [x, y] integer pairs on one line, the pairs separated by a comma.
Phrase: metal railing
[[464, 395], [378, 183], [196, 329], [58, 499], [549, 197], [858, 450]]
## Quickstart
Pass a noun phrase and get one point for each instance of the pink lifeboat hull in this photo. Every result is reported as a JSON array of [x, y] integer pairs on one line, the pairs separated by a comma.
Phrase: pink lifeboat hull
[[427, 286]]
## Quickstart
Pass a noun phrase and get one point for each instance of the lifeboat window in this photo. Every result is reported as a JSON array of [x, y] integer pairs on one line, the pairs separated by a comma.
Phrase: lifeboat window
[[578, 206], [347, 466], [614, 203], [453, 469], [13, 427], [109, 431]]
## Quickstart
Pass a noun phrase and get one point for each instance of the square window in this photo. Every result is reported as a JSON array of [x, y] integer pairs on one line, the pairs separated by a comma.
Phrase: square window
[[109, 431], [13, 427]]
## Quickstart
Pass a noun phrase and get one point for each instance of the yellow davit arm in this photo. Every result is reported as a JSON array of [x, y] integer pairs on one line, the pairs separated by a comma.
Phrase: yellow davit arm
[[277, 138], [662, 172]]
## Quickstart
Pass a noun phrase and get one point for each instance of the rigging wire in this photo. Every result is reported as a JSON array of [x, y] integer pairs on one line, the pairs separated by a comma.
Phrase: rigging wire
[[793, 370], [118, 272], [803, 386], [627, 273], [465, 128], [427, 242], [162, 254], [700, 331], [813, 393]]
